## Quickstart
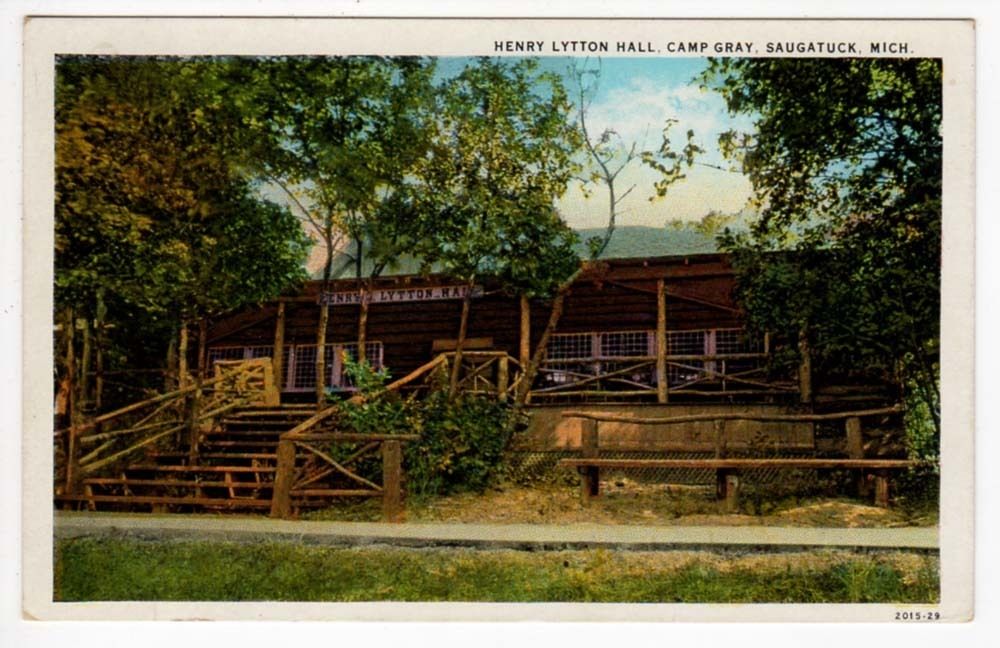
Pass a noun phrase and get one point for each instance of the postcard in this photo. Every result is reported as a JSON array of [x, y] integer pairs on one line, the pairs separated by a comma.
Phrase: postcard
[[498, 319]]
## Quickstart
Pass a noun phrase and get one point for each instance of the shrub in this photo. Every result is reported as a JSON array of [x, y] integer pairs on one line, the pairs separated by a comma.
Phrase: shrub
[[462, 438]]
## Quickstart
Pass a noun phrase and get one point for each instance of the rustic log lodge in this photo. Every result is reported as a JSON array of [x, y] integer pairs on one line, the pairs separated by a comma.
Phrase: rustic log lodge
[[650, 367]]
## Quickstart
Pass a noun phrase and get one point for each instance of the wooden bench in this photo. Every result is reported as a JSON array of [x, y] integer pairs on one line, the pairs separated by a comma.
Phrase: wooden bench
[[727, 469], [727, 472]]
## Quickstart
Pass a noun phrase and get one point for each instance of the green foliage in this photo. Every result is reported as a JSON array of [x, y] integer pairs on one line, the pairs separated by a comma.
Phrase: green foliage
[[117, 569], [461, 438], [150, 209], [342, 138], [502, 154], [846, 168]]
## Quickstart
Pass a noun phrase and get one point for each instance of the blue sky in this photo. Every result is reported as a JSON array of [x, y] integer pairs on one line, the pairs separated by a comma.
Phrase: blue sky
[[635, 97]]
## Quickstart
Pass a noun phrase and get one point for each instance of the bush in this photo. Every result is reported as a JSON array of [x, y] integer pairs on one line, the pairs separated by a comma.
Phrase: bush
[[462, 438]]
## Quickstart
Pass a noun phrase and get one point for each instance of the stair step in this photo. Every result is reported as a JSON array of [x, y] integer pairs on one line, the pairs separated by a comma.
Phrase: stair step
[[225, 443], [215, 502], [201, 468], [214, 455], [112, 481]]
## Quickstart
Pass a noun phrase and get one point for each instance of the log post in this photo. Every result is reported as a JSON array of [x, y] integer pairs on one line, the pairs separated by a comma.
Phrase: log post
[[278, 354], [719, 427], [193, 429], [72, 447], [727, 488], [281, 496], [661, 342], [202, 348], [84, 399], [882, 489], [503, 378], [805, 367], [99, 340], [524, 351], [856, 450], [392, 478], [590, 476], [182, 357], [324, 318]]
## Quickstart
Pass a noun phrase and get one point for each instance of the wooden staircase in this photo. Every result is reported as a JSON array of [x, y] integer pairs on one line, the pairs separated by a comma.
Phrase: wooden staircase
[[233, 470]]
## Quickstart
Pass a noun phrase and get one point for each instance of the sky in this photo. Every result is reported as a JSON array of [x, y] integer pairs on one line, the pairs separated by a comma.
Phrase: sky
[[635, 97]]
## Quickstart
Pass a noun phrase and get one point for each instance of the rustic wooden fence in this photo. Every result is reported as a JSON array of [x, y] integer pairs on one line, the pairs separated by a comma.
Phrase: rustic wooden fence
[[727, 467], [179, 417]]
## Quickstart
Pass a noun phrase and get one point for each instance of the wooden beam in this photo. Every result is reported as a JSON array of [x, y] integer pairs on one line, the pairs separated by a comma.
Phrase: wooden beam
[[392, 477], [805, 367], [524, 352], [278, 354], [661, 342], [590, 476], [281, 495], [795, 418]]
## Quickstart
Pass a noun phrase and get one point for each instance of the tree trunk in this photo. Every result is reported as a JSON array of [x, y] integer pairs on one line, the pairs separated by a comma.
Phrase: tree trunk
[[324, 317], [524, 389], [182, 356], [456, 368], [202, 348], [99, 341], [85, 353], [362, 323], [170, 381]]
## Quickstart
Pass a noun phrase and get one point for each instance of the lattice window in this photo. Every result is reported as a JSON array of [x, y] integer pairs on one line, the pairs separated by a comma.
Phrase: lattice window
[[303, 377], [570, 346], [302, 365], [686, 342], [736, 341], [626, 344], [225, 353]]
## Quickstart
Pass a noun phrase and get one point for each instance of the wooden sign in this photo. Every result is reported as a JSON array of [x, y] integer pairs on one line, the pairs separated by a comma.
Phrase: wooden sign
[[400, 295]]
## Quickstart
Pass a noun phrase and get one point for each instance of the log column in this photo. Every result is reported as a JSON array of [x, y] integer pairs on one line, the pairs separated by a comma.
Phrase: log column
[[281, 496], [590, 476], [392, 478], [278, 354], [856, 450], [805, 367], [661, 342]]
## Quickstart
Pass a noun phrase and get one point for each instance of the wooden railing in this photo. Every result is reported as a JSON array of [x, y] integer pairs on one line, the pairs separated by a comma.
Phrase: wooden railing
[[723, 374], [107, 441], [590, 462]]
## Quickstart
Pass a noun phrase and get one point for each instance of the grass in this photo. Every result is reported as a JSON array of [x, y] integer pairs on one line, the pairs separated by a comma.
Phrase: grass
[[89, 569], [624, 501]]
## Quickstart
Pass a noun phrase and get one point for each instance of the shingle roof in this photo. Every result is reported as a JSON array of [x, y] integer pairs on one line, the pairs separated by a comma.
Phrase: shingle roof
[[627, 242]]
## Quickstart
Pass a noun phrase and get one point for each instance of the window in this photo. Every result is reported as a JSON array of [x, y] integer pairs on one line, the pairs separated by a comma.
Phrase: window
[[299, 362], [574, 356]]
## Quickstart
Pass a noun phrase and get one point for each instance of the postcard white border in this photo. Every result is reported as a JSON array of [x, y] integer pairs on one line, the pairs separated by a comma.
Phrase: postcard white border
[[951, 40]]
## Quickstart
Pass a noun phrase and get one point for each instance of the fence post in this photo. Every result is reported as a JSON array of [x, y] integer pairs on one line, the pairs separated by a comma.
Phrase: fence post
[[882, 489], [281, 496], [503, 379], [193, 429], [661, 342], [590, 476], [392, 477], [856, 450]]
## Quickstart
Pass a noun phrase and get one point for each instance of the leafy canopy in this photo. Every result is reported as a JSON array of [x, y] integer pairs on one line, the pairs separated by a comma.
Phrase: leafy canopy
[[845, 161]]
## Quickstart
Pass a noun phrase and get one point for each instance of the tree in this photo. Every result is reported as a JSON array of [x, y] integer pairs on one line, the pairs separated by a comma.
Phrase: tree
[[153, 223], [503, 154], [607, 155], [340, 136], [846, 166]]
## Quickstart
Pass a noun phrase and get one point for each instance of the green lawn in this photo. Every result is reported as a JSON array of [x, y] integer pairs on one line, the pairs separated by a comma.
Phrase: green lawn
[[132, 570]]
